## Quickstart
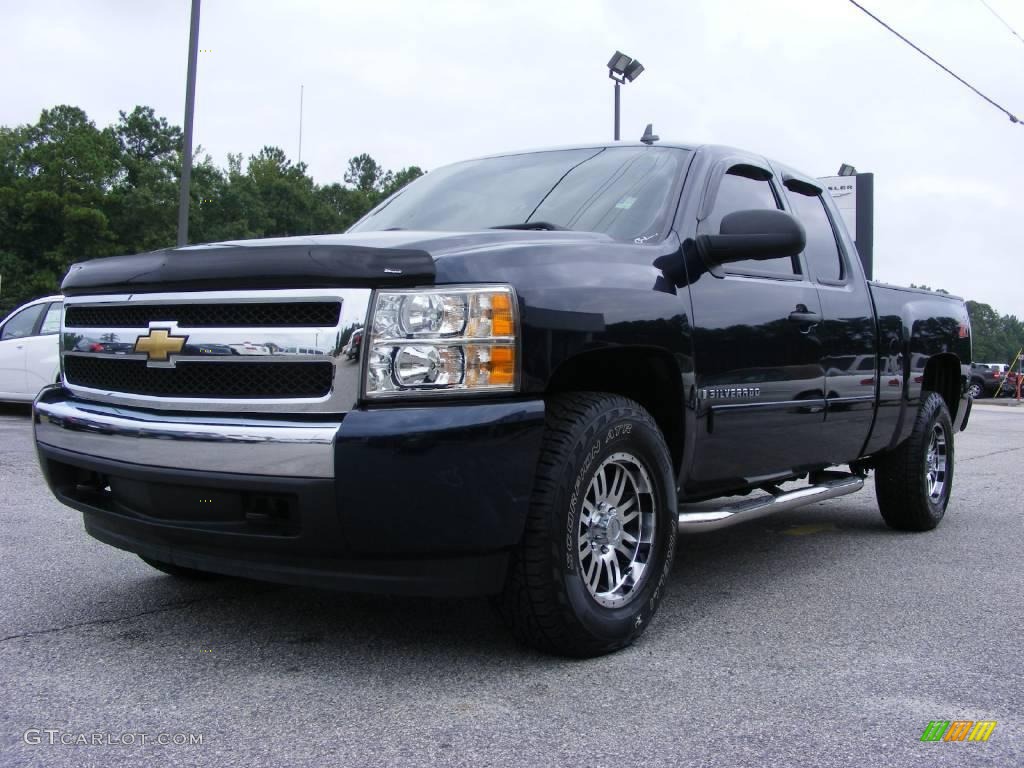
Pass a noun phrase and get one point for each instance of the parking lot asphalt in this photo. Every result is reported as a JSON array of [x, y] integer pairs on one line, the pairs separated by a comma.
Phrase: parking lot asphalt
[[813, 638]]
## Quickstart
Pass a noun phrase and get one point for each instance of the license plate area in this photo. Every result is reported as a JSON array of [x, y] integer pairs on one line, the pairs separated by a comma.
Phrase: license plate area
[[203, 508]]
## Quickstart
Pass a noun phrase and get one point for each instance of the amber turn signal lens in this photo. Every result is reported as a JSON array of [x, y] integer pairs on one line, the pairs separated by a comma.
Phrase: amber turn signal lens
[[488, 365], [503, 363], [501, 314]]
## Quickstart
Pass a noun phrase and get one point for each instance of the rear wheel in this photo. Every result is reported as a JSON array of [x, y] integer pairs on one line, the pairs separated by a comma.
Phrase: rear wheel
[[180, 571], [913, 483], [600, 537]]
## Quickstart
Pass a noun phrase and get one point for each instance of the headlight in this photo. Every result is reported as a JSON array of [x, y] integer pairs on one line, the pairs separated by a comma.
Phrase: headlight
[[450, 339]]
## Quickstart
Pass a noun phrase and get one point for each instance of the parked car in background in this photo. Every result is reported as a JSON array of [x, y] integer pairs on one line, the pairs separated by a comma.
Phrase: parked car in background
[[985, 379], [109, 344], [351, 350], [250, 348], [29, 349]]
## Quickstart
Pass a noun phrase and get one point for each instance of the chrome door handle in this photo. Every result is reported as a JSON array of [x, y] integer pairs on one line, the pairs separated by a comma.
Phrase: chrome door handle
[[809, 320], [805, 317]]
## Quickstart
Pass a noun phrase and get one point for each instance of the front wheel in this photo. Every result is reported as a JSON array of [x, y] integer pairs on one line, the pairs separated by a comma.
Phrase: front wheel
[[601, 532], [913, 482], [975, 391]]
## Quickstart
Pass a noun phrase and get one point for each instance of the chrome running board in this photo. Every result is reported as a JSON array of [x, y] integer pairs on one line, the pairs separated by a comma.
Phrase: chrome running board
[[778, 501]]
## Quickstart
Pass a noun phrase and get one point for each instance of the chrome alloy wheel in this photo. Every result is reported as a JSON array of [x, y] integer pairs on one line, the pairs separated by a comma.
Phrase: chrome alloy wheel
[[616, 530], [935, 463]]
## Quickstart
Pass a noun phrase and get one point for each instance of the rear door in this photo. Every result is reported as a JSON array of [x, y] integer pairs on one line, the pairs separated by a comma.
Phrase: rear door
[[847, 333], [760, 382]]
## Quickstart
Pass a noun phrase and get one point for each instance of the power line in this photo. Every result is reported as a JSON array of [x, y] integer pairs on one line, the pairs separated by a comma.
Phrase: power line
[[1005, 23], [933, 60]]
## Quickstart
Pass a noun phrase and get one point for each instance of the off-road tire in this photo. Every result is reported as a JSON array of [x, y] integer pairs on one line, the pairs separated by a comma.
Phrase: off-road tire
[[546, 602], [902, 475]]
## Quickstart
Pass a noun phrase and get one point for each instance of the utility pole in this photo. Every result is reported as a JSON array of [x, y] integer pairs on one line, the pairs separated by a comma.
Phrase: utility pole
[[190, 104], [302, 90]]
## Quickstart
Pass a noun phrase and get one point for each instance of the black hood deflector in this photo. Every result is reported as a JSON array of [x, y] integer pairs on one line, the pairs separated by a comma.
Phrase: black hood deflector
[[238, 267]]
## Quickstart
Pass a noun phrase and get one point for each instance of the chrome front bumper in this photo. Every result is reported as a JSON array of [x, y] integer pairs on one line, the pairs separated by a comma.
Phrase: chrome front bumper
[[244, 445]]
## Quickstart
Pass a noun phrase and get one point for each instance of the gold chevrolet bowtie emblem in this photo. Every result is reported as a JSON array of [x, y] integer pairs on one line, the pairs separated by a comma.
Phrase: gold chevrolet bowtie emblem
[[158, 344]]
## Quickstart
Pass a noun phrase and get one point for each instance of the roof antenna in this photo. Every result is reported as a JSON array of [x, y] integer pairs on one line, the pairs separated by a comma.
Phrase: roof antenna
[[649, 136]]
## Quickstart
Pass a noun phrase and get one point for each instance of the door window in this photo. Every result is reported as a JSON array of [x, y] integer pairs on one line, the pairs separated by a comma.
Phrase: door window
[[51, 322], [742, 193], [23, 323], [822, 251]]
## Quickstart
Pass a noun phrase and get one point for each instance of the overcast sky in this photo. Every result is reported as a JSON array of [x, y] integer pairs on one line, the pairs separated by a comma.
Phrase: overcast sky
[[813, 83]]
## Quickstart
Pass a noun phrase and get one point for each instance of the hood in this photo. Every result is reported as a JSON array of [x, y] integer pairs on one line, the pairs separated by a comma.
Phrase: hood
[[357, 259]]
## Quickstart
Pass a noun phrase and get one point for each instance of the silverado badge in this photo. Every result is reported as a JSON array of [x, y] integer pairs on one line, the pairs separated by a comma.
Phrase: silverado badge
[[720, 393], [158, 344]]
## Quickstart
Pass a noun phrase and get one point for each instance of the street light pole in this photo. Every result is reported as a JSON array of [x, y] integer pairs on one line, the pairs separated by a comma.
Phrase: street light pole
[[622, 69], [617, 110], [190, 104]]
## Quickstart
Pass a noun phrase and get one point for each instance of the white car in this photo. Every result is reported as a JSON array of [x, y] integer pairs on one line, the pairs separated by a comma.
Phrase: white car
[[29, 349]]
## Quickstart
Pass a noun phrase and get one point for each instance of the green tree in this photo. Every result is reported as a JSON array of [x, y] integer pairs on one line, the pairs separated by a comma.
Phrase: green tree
[[364, 173], [372, 183], [142, 204], [70, 191], [996, 338], [399, 179], [56, 176], [65, 153]]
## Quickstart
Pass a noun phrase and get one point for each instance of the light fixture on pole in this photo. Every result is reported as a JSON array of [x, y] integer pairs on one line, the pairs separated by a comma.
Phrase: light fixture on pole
[[622, 69]]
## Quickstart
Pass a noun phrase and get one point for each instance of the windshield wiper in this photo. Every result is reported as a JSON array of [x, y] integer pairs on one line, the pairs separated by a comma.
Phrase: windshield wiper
[[539, 225]]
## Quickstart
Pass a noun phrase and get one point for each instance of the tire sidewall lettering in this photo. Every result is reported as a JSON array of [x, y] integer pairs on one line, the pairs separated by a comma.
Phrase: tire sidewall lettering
[[579, 490]]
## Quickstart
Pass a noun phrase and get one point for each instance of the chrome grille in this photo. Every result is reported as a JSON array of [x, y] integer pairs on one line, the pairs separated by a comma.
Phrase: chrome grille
[[252, 315], [245, 381], [269, 351]]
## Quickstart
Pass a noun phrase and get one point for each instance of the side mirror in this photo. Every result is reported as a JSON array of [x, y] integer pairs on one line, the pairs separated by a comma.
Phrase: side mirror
[[756, 234]]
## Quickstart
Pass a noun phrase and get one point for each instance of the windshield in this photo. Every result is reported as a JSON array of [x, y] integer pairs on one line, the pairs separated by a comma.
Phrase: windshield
[[620, 191]]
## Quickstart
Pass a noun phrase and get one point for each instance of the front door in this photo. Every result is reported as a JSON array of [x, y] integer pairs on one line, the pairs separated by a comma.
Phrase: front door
[[13, 335], [760, 382]]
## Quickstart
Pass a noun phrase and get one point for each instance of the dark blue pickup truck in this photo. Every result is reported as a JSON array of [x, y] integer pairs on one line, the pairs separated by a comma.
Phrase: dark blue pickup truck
[[564, 355]]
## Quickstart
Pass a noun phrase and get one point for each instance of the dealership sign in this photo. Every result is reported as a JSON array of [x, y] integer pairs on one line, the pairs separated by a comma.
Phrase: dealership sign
[[855, 198]]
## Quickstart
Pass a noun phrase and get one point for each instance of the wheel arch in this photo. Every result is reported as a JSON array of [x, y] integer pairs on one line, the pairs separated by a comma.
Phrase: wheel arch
[[942, 374], [648, 375]]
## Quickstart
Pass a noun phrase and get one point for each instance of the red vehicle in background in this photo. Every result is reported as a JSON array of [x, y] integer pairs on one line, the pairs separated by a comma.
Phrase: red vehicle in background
[[1011, 383], [1006, 378]]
